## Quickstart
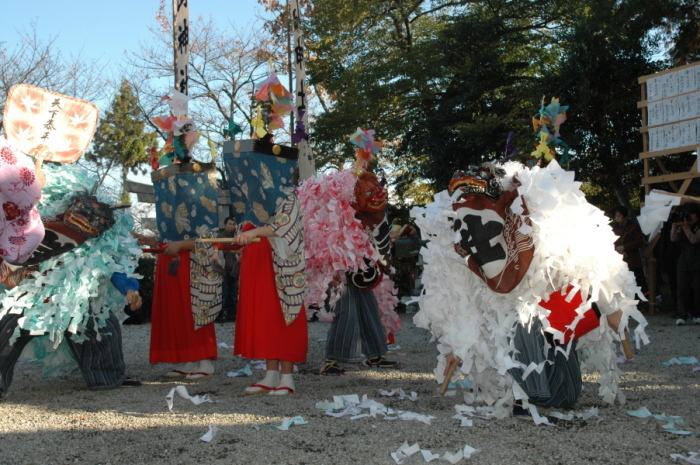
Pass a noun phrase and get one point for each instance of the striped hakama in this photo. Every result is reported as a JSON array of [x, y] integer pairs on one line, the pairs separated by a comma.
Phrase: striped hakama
[[100, 361], [356, 331], [559, 384]]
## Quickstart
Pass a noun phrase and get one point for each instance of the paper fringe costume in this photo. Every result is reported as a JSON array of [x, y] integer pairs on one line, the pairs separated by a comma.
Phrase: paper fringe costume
[[336, 242], [69, 288], [573, 246]]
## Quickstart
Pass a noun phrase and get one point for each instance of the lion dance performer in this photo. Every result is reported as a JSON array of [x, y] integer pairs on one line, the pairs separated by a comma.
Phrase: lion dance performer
[[519, 270], [64, 297], [348, 248]]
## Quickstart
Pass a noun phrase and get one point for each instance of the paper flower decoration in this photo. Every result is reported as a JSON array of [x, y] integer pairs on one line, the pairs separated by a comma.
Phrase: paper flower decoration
[[274, 102], [232, 130], [367, 146], [182, 135], [258, 124], [280, 99], [546, 125]]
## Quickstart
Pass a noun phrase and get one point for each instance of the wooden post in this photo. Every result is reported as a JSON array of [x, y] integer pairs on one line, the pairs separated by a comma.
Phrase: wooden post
[[307, 167], [181, 44]]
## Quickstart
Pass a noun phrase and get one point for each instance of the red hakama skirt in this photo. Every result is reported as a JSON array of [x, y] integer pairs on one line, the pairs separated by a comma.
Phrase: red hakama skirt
[[261, 332], [173, 337]]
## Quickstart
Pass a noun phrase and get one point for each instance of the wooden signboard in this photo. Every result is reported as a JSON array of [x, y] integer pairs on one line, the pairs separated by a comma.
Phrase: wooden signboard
[[670, 122]]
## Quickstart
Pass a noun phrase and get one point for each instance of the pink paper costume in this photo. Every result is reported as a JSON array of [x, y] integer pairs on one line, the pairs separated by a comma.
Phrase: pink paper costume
[[21, 229]]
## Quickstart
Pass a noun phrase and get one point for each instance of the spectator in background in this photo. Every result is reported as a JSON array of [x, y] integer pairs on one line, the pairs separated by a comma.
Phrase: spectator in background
[[686, 230], [630, 243], [230, 285]]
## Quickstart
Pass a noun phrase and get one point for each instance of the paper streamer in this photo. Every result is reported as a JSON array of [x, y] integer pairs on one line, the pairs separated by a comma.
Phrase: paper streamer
[[182, 392]]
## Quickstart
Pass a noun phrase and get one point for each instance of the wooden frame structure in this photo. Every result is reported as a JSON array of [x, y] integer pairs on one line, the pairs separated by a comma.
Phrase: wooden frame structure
[[670, 105]]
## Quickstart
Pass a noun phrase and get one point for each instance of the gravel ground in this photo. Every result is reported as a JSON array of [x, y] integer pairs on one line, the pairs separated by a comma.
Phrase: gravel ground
[[59, 421]]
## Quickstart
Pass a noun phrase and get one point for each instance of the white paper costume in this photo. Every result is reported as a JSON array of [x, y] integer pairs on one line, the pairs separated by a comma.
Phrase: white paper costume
[[568, 244]]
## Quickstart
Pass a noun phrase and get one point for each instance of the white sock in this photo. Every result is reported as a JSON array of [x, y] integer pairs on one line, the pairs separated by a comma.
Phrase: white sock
[[204, 366], [287, 380], [189, 367], [271, 379]]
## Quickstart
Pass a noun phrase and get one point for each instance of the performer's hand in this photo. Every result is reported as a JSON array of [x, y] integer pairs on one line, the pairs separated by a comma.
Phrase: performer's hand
[[620, 249], [173, 248], [134, 299], [614, 320], [336, 280], [142, 239], [450, 359], [244, 238]]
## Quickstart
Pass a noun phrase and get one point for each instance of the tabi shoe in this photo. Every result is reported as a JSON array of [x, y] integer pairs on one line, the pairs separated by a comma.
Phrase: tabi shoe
[[680, 322], [267, 384], [182, 371], [258, 388], [331, 368], [380, 362], [203, 369], [281, 391], [130, 382], [286, 386]]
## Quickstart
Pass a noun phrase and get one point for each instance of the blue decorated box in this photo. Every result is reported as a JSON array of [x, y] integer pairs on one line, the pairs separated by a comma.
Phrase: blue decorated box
[[259, 175], [186, 200]]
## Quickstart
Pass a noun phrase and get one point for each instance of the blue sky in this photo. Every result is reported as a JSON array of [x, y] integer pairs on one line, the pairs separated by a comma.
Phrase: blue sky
[[104, 29]]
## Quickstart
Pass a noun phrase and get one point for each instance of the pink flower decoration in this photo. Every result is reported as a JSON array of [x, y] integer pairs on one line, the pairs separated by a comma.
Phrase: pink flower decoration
[[17, 240], [7, 155], [27, 176]]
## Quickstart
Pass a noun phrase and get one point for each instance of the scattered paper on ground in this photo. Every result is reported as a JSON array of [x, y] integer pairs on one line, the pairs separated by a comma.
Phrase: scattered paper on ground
[[672, 421], [400, 393], [213, 431], [286, 423], [356, 408], [405, 451], [681, 361], [245, 371], [693, 457], [182, 392]]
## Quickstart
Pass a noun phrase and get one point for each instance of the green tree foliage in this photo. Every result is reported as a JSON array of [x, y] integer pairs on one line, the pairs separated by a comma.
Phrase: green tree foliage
[[605, 46], [442, 82], [120, 141]]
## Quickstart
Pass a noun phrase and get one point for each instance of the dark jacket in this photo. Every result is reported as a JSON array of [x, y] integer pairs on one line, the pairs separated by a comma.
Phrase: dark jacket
[[632, 239]]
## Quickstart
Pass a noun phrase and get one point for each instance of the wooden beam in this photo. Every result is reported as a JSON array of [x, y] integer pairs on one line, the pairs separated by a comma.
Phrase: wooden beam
[[146, 198], [139, 188], [686, 183], [670, 177], [687, 148], [664, 171]]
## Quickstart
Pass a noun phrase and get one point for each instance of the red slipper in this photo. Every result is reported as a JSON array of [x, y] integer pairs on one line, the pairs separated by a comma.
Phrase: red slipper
[[257, 389], [281, 391], [198, 375]]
